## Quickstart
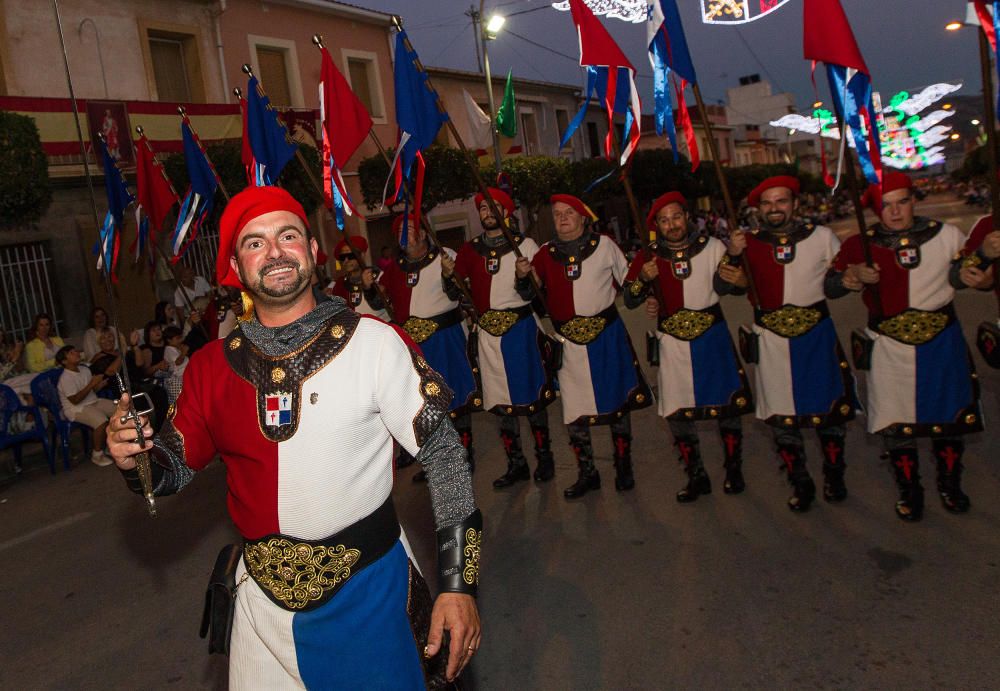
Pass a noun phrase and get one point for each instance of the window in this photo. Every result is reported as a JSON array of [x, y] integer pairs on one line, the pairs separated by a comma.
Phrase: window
[[593, 140], [529, 132], [174, 66], [562, 124], [272, 71], [363, 74]]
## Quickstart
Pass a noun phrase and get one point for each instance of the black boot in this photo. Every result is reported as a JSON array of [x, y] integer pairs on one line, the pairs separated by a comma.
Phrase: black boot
[[624, 479], [732, 448], [698, 482], [834, 489], [948, 453], [517, 465], [546, 468], [910, 506], [804, 489], [588, 477]]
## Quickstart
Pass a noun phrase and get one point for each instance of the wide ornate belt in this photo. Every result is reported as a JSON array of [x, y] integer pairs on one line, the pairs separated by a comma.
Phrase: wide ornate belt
[[790, 321], [688, 325], [499, 322], [583, 330], [300, 575], [420, 329], [916, 327]]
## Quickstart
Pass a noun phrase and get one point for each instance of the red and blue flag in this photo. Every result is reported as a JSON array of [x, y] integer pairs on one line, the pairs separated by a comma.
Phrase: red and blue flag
[[668, 52], [119, 199], [197, 202], [270, 147], [155, 197]]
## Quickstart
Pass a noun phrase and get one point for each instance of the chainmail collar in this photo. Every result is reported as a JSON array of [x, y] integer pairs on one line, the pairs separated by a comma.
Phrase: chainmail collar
[[281, 340], [573, 247]]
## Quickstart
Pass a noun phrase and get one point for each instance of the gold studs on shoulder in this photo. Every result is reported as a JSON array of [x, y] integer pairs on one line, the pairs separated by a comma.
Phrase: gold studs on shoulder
[[235, 343], [337, 331], [277, 375]]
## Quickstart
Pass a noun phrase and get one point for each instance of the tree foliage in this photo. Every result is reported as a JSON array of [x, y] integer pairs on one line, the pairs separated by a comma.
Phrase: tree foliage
[[225, 157], [25, 193], [448, 177]]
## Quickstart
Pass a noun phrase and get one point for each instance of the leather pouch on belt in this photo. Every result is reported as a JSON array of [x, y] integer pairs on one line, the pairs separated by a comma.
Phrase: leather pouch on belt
[[988, 343], [749, 346], [220, 601]]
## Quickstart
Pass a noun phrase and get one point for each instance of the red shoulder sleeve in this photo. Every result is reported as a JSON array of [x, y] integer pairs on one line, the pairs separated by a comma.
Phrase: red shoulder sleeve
[[978, 233], [850, 253], [191, 411], [636, 266], [463, 262]]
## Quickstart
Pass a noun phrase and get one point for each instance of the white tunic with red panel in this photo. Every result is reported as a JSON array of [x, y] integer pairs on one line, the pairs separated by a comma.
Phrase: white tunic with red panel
[[600, 380], [508, 338], [307, 441], [435, 322], [922, 378], [699, 376], [802, 378], [354, 295]]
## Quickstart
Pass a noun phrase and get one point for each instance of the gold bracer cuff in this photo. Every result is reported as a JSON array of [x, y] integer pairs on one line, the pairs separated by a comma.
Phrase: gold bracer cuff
[[914, 327]]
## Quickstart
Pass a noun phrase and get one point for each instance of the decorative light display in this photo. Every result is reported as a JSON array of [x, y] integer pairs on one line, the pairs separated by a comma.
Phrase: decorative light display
[[726, 12], [910, 141], [634, 11]]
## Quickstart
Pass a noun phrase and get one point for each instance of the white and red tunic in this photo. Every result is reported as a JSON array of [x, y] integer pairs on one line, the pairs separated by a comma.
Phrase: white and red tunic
[[307, 441], [699, 376], [514, 378], [802, 380], [354, 295], [916, 388], [600, 381], [416, 292]]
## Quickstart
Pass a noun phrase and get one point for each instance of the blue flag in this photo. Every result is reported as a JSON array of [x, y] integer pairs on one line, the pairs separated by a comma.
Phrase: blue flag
[[272, 149], [668, 50], [197, 202], [119, 199]]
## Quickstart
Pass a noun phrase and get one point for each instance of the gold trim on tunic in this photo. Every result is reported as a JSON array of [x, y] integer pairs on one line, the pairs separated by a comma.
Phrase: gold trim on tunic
[[299, 573]]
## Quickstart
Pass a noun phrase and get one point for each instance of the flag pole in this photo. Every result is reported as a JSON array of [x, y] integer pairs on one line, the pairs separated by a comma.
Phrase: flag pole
[[184, 118], [142, 461], [990, 118], [156, 247], [727, 198], [472, 161]]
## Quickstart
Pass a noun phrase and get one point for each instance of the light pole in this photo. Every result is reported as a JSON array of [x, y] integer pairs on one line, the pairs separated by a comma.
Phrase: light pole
[[488, 33]]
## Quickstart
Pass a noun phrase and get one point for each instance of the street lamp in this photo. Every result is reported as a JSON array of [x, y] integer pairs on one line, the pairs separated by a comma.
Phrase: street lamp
[[489, 33]]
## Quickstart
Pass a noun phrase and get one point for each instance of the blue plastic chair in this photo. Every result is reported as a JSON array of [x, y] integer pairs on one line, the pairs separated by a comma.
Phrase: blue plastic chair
[[45, 391], [10, 404]]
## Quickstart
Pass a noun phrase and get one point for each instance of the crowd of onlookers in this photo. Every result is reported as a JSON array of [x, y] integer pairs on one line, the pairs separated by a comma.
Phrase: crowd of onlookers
[[153, 358]]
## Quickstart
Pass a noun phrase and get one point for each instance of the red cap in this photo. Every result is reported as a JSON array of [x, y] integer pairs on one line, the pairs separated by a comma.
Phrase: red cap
[[574, 202], [792, 183], [891, 181], [500, 197], [249, 204], [397, 225], [358, 242], [662, 201]]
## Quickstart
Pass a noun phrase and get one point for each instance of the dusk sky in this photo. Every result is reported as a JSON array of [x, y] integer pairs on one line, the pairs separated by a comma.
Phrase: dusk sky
[[903, 42]]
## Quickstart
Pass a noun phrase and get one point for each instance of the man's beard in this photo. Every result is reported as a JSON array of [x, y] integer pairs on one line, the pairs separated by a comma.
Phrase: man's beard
[[776, 224], [287, 292], [489, 223]]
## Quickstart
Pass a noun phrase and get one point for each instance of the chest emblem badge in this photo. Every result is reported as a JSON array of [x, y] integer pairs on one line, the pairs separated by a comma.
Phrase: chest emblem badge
[[278, 409]]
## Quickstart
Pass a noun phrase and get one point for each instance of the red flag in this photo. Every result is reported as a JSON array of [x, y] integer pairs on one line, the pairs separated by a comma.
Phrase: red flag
[[155, 194], [246, 151], [346, 123], [828, 37], [597, 48]]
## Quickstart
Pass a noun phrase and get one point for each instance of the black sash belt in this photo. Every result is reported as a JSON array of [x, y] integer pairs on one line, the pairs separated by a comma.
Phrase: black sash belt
[[300, 575]]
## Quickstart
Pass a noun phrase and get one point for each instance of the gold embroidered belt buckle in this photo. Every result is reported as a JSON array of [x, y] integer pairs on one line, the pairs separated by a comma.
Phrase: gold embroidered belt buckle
[[916, 327], [300, 575], [688, 325], [791, 320], [420, 329], [583, 330], [499, 322]]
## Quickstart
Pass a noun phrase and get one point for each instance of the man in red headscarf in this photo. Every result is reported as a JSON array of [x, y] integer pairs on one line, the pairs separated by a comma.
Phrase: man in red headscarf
[[356, 285], [680, 276], [581, 272], [516, 382], [802, 378], [302, 402], [921, 378]]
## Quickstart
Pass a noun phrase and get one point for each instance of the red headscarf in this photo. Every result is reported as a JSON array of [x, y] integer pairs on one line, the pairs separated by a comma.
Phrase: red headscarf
[[792, 183], [659, 203], [500, 197], [574, 202]]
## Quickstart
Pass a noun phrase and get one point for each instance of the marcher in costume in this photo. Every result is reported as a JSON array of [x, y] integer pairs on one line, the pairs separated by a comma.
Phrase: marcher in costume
[[508, 339], [356, 286], [802, 378], [435, 321], [600, 381], [302, 403], [680, 277], [921, 380]]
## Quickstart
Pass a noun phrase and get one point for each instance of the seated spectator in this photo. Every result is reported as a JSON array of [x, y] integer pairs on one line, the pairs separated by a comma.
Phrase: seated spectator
[[40, 351], [142, 384], [168, 315], [79, 401], [176, 357], [10, 355], [192, 285], [107, 361], [98, 322], [152, 362]]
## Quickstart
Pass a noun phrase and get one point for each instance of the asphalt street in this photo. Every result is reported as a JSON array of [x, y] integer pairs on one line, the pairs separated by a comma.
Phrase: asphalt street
[[614, 591]]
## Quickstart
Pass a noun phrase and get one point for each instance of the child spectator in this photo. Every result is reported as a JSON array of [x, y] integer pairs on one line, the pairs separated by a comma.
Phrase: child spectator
[[176, 357], [80, 403]]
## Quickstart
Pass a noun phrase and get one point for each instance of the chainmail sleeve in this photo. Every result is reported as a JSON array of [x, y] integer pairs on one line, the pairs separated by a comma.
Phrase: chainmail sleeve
[[448, 478], [169, 471]]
